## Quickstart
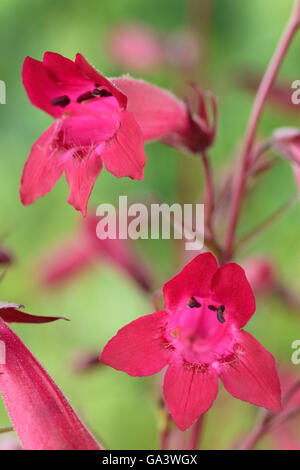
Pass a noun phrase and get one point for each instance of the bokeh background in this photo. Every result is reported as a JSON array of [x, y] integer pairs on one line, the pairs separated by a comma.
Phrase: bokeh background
[[234, 37]]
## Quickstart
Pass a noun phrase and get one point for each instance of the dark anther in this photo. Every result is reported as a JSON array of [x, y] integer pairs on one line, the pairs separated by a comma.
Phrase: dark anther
[[85, 96], [96, 92], [97, 85], [61, 101], [220, 312], [193, 303], [211, 307], [103, 93]]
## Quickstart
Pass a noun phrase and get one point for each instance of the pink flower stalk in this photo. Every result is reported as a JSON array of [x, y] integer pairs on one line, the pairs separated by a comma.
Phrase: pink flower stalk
[[136, 47], [261, 274], [72, 257], [286, 436], [286, 141], [41, 415], [9, 443], [279, 95], [199, 337], [84, 361]]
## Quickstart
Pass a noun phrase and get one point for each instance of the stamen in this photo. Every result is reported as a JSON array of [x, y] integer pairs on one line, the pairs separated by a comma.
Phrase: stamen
[[193, 303], [85, 96], [61, 101], [211, 307], [96, 92], [102, 93], [220, 312], [97, 85]]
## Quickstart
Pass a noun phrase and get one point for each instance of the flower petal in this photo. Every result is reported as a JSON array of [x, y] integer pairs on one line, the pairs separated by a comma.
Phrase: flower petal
[[124, 154], [91, 73], [95, 124], [43, 168], [40, 87], [231, 289], [139, 349], [82, 170], [40, 413], [10, 314], [250, 374], [158, 112], [58, 77], [194, 279], [64, 70], [189, 391]]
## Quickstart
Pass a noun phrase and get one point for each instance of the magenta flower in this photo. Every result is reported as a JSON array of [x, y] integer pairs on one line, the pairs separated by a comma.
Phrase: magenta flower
[[84, 249], [101, 121], [136, 47], [92, 128], [97, 122], [40, 413], [199, 337]]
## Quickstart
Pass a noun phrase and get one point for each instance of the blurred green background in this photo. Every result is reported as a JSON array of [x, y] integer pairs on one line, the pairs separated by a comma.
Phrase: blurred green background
[[240, 36]]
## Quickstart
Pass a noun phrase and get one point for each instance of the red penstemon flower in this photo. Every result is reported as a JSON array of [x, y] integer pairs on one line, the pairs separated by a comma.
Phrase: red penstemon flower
[[98, 121], [41, 415], [92, 127], [199, 337]]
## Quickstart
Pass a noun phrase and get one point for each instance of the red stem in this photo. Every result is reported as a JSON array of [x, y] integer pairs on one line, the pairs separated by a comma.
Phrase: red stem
[[269, 420], [165, 434], [253, 439], [209, 192], [260, 99], [196, 433]]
